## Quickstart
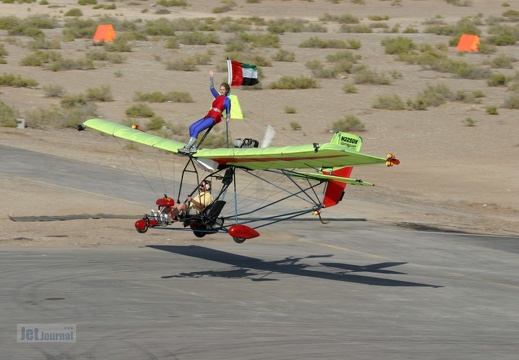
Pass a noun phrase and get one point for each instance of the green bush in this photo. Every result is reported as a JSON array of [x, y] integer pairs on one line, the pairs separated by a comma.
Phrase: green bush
[[289, 83], [295, 125], [290, 110], [349, 89], [56, 91], [59, 118], [349, 123], [139, 110], [8, 115], [16, 81], [491, 110], [283, 55], [497, 79], [74, 12], [103, 94], [389, 102], [155, 123], [512, 101], [399, 45], [158, 97]]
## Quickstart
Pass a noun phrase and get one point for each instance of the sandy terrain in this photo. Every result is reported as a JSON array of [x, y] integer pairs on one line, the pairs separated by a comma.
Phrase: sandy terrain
[[452, 177]]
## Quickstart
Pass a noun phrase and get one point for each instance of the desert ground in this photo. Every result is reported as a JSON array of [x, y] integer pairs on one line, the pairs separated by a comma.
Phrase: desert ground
[[452, 177]]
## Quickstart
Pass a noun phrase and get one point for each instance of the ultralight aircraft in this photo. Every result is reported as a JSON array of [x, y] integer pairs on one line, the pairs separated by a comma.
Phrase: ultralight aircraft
[[304, 167]]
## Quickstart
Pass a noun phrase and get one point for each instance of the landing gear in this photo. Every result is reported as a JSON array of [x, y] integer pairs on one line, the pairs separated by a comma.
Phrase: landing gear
[[238, 240]]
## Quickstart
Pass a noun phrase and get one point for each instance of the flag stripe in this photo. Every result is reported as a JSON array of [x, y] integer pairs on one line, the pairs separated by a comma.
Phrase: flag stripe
[[241, 74]]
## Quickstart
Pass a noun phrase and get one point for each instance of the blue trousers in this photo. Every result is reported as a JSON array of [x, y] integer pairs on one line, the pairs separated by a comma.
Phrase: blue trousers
[[199, 126]]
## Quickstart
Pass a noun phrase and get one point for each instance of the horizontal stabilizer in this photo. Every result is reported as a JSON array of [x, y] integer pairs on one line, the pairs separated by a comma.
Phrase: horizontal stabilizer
[[325, 177]]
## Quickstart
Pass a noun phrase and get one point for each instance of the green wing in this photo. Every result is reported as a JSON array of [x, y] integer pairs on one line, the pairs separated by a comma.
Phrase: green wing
[[125, 132], [290, 157], [315, 156]]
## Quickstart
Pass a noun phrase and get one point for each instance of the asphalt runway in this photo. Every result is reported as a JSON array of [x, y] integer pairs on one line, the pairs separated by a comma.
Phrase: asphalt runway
[[350, 290]]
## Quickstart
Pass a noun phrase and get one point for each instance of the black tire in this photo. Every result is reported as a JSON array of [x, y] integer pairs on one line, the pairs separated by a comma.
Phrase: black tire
[[238, 240], [199, 234], [141, 231]]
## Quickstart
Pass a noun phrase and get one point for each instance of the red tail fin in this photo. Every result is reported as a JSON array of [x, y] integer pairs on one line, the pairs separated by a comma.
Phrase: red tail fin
[[334, 189]]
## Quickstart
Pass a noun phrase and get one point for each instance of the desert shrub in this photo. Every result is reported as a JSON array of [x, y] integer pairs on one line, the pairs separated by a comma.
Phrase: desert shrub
[[290, 83], [349, 88], [172, 3], [188, 64], [76, 28], [221, 9], [294, 125], [341, 19], [465, 25], [8, 115], [172, 43], [349, 123], [40, 57], [290, 110], [16, 81], [105, 7], [315, 42], [198, 38], [389, 102], [512, 101], [502, 61], [53, 91], [158, 97], [8, 22], [103, 94], [56, 117], [114, 58], [139, 110], [398, 45], [160, 26], [252, 40], [502, 35], [118, 45], [74, 12], [3, 51], [469, 122], [365, 75], [70, 64], [355, 29], [155, 123], [40, 43], [23, 30], [497, 79], [435, 94], [280, 26], [87, 2], [76, 100], [283, 55], [491, 110]]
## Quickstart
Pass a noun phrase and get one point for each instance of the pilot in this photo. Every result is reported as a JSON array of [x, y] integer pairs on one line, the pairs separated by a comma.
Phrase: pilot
[[197, 203], [220, 104]]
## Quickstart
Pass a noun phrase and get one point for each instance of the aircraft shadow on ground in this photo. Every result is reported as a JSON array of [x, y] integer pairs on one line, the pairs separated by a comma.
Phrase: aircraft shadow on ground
[[245, 267]]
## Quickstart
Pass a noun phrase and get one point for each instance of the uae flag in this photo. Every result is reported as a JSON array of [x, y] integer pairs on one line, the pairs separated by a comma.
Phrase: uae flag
[[241, 74]]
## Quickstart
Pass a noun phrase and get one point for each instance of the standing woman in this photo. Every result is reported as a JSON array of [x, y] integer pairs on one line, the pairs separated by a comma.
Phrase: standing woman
[[214, 116]]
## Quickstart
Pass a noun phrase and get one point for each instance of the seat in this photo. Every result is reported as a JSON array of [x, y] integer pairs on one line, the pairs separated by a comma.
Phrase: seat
[[208, 217]]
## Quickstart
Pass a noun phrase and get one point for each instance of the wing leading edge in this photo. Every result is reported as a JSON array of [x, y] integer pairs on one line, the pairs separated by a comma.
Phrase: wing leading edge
[[127, 133], [315, 156]]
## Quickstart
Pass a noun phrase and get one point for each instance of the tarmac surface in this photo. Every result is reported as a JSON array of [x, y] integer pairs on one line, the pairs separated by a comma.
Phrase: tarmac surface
[[354, 290]]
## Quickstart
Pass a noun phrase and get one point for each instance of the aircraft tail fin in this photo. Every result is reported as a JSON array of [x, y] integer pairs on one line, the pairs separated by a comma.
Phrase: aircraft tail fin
[[334, 191], [353, 142]]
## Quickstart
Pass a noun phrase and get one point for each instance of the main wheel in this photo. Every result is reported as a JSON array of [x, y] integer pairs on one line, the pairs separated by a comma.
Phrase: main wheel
[[238, 240], [199, 234]]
